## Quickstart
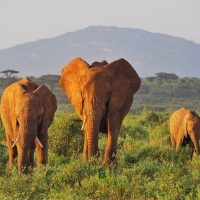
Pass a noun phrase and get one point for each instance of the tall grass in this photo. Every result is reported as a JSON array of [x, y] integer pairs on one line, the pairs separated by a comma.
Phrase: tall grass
[[148, 168]]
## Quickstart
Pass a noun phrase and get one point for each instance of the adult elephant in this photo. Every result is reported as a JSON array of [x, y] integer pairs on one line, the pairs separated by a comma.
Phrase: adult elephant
[[185, 129], [102, 96], [27, 110]]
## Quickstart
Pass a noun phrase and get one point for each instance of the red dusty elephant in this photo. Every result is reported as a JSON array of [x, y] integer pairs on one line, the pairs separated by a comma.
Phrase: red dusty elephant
[[102, 96], [27, 111], [185, 129]]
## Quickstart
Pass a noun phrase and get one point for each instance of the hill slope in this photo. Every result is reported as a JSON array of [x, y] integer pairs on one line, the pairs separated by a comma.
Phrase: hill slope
[[147, 52]]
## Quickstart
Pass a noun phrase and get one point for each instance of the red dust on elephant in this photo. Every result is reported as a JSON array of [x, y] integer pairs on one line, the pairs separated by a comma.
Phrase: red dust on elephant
[[102, 96], [27, 111]]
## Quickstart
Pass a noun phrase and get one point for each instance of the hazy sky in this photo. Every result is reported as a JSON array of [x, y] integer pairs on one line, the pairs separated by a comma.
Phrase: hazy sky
[[28, 20]]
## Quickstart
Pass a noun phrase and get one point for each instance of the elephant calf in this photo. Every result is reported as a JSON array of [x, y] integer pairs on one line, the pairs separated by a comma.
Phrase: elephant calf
[[185, 129], [27, 111]]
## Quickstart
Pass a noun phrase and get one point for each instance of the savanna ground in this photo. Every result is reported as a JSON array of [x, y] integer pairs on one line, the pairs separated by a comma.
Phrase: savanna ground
[[148, 168]]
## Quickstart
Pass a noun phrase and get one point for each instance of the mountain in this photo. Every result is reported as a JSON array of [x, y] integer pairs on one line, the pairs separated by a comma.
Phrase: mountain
[[148, 52]]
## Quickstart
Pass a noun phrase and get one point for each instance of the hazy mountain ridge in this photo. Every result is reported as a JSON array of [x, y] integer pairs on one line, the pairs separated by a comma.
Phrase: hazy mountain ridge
[[147, 52]]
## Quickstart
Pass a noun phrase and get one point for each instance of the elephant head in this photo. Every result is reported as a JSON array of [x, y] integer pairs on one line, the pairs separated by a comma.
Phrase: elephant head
[[185, 129], [97, 93], [29, 109], [99, 64]]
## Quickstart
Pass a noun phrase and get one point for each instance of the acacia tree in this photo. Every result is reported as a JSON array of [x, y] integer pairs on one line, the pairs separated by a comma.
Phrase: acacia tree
[[9, 72]]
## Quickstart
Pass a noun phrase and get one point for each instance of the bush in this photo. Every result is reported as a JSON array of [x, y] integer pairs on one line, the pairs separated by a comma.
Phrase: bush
[[65, 135], [131, 127], [146, 167], [160, 134]]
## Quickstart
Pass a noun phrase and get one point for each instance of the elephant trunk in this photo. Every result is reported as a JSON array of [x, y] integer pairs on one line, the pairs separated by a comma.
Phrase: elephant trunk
[[27, 135], [92, 141], [23, 160], [91, 130]]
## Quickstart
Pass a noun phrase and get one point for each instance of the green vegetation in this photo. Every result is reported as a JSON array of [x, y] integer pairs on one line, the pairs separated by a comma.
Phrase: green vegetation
[[66, 137], [162, 93], [148, 168]]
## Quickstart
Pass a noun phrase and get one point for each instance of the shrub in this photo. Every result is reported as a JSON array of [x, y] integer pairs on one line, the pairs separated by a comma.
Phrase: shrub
[[65, 136], [146, 167], [160, 134], [152, 119], [131, 127], [3, 158]]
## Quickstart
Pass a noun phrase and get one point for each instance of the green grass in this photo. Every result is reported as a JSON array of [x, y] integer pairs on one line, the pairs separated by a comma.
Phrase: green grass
[[147, 167]]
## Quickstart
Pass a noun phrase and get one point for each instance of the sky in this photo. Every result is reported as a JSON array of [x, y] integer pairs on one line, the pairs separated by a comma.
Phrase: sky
[[28, 20]]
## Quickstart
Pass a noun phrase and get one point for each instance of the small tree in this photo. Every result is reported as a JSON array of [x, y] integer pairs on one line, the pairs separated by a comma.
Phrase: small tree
[[9, 72]]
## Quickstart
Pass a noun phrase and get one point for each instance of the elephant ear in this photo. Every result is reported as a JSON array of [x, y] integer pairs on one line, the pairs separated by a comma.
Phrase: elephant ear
[[25, 85], [49, 104], [99, 64], [70, 82], [126, 80]]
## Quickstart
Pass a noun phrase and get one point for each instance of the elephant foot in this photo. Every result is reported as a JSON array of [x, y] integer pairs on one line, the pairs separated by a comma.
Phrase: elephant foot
[[95, 155], [10, 165], [85, 156], [110, 161]]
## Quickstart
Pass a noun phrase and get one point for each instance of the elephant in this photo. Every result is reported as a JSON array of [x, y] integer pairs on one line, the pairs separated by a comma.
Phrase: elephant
[[101, 96], [27, 111], [185, 129], [98, 64]]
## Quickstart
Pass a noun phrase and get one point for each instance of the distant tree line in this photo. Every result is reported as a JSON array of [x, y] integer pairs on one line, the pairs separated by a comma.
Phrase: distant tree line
[[165, 92], [163, 75]]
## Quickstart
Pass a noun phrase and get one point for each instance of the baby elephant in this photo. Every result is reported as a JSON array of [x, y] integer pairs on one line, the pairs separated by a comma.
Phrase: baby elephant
[[27, 111], [185, 129]]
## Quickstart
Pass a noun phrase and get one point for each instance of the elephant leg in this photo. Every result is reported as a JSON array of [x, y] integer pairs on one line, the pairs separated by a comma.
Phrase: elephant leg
[[85, 149], [178, 145], [42, 152], [173, 143], [11, 150], [114, 123], [12, 156], [31, 155], [96, 146], [191, 145]]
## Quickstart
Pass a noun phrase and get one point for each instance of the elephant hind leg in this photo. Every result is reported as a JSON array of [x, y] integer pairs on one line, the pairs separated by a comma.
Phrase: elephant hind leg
[[114, 123], [11, 150], [191, 145], [85, 148], [173, 143], [12, 155], [14, 152]]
